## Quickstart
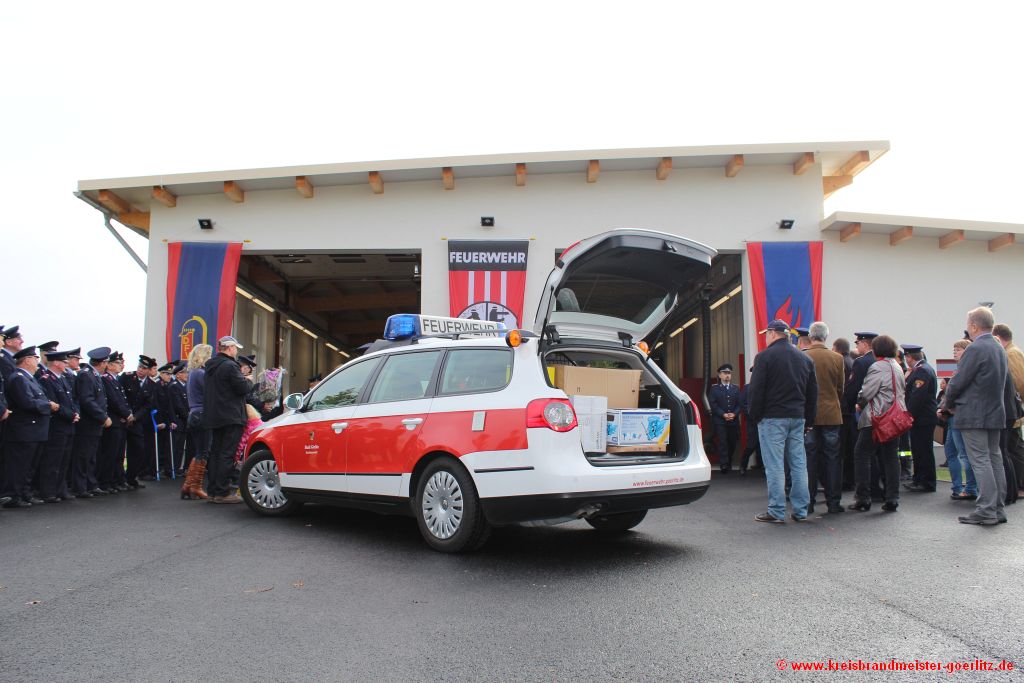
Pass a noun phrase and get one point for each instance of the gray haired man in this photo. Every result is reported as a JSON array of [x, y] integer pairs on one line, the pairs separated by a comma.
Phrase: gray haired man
[[979, 394]]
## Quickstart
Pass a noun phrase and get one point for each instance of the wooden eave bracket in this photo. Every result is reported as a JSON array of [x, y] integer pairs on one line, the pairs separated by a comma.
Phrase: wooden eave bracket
[[831, 183], [734, 166], [805, 162], [520, 175], [233, 191], [951, 238], [664, 168], [135, 219], [849, 232], [901, 235], [844, 175], [113, 202], [304, 187], [593, 170], [376, 182], [448, 178], [164, 196], [1001, 242]]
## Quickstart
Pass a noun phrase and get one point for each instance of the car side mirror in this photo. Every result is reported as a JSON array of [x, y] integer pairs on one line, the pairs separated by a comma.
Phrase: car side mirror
[[293, 401]]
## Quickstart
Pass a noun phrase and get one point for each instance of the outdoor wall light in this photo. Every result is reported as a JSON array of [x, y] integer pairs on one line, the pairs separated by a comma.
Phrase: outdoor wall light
[[786, 224], [487, 221], [987, 304], [206, 224]]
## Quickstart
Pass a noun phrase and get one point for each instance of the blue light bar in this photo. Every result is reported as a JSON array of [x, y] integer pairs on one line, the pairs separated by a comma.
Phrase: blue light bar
[[402, 326]]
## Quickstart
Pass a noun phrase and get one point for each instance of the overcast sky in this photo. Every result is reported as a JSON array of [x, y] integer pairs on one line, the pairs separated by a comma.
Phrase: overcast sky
[[107, 89]]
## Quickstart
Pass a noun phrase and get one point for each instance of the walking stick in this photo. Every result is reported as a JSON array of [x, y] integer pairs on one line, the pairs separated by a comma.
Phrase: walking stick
[[156, 444], [170, 431]]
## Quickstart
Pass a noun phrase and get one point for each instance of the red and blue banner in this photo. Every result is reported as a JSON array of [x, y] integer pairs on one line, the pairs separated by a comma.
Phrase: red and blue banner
[[785, 281], [201, 279]]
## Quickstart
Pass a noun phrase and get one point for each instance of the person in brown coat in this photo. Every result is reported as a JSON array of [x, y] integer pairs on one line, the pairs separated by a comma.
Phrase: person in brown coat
[[821, 441]]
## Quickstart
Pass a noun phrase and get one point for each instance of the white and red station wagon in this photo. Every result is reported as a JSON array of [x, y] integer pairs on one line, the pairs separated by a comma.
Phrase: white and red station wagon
[[457, 422]]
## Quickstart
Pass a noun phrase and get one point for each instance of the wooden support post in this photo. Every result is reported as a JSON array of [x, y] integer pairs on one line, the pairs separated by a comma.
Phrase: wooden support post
[[951, 238], [901, 235], [593, 170], [448, 178], [164, 196], [849, 232], [304, 187], [734, 166], [376, 182], [233, 191], [520, 175], [664, 168]]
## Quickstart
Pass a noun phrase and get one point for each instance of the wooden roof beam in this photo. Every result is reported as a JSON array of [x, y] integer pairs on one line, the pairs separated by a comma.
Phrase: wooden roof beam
[[855, 164], [304, 187], [164, 196], [951, 238], [135, 219], [520, 175], [376, 182], [448, 178], [805, 161], [849, 232], [664, 168], [1001, 242], [234, 191], [734, 166], [831, 183], [113, 202], [593, 170], [901, 235]]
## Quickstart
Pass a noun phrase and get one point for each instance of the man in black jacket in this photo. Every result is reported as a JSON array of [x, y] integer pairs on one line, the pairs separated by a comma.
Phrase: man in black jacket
[[93, 419], [110, 463], [27, 428], [139, 390], [783, 401], [56, 454], [224, 415], [922, 389]]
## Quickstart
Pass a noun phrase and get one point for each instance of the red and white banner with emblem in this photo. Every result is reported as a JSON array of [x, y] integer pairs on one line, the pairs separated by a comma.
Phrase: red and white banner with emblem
[[487, 280]]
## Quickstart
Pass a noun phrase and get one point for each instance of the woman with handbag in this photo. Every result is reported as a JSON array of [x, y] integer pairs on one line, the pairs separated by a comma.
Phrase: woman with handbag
[[883, 418]]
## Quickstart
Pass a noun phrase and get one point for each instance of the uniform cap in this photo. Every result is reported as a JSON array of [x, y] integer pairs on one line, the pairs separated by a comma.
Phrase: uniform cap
[[777, 325], [25, 352], [165, 367], [49, 347], [911, 348], [75, 353], [147, 362], [865, 336], [725, 367], [57, 355], [116, 357], [229, 341], [802, 331], [99, 353], [179, 367], [11, 332]]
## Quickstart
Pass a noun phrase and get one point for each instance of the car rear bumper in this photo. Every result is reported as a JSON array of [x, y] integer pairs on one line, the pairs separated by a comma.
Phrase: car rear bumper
[[513, 509]]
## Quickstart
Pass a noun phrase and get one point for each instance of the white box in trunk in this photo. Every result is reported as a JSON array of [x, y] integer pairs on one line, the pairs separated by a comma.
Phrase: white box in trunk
[[591, 413]]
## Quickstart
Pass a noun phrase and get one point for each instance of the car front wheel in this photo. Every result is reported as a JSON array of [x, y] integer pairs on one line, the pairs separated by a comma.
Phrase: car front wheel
[[261, 486], [618, 523], [448, 509]]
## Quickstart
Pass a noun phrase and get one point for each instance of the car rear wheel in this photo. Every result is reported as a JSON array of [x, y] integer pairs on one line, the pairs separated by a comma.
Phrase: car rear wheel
[[618, 523], [448, 510], [261, 486]]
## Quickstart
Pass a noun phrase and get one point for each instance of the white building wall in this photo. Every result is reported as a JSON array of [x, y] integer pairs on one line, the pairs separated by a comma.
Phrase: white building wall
[[553, 210]]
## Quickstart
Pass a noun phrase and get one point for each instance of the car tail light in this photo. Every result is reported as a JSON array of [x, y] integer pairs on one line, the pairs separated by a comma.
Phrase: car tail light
[[552, 413], [696, 415]]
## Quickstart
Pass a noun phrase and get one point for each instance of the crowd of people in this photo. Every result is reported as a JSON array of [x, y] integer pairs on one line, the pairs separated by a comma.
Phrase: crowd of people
[[825, 417], [81, 427]]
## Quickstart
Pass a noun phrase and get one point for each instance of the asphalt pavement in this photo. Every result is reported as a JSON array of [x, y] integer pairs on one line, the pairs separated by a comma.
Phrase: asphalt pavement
[[142, 586]]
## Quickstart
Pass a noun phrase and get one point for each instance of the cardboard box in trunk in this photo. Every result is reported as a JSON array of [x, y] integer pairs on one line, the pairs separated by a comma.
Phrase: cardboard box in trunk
[[591, 413], [621, 387], [645, 448]]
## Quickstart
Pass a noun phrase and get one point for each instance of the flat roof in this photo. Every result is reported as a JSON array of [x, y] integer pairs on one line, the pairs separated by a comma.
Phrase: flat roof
[[946, 231], [130, 197]]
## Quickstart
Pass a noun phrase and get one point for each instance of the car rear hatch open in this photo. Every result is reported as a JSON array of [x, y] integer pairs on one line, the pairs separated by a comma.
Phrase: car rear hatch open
[[619, 286]]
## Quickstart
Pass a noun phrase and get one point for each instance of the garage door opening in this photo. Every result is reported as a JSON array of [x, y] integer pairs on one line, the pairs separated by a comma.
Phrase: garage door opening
[[311, 311]]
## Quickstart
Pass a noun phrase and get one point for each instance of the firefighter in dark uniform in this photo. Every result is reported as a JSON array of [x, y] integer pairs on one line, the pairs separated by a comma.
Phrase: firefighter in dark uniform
[[724, 399], [92, 403], [179, 410], [110, 465], [56, 455], [138, 389], [71, 380], [922, 389], [11, 341], [27, 429], [165, 416], [854, 383]]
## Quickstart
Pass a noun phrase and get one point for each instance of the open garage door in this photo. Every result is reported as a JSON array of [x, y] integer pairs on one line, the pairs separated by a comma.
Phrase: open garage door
[[325, 305]]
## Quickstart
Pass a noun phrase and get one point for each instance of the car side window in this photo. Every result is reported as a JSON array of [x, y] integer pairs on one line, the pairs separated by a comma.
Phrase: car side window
[[405, 377], [476, 370], [343, 388]]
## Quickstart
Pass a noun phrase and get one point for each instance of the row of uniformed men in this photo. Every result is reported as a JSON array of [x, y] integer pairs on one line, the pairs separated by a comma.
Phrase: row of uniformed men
[[65, 427]]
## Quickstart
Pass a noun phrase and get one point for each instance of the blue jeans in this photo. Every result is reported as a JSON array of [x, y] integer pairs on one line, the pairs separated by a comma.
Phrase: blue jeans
[[959, 466], [782, 441]]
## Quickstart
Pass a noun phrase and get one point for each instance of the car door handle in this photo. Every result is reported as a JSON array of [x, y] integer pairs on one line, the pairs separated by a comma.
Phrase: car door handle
[[339, 427], [411, 422]]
